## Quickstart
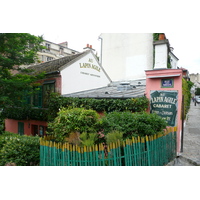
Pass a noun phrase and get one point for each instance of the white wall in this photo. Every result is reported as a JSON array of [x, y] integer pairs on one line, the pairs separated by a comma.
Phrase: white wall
[[161, 55], [127, 55], [84, 74], [174, 61]]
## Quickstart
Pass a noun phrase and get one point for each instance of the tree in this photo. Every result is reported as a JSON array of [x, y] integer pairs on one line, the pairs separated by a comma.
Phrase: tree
[[197, 92], [17, 49]]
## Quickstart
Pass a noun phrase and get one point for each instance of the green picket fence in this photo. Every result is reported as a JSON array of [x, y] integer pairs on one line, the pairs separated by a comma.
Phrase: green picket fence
[[156, 150]]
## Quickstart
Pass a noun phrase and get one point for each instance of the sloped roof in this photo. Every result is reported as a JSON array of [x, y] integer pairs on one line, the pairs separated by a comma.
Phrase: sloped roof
[[55, 65], [110, 92]]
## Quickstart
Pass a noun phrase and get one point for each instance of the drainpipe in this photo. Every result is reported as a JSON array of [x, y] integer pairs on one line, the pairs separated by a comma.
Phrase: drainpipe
[[182, 132], [101, 49]]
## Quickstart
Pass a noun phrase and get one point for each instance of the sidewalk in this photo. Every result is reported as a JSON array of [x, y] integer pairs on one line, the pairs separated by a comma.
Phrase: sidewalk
[[191, 139]]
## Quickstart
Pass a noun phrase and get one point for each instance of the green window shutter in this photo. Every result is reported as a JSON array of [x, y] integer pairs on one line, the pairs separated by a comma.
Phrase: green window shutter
[[28, 99], [21, 128], [40, 97]]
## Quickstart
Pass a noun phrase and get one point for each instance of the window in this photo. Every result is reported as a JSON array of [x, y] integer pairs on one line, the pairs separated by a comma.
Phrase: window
[[34, 130], [37, 98], [38, 130], [47, 46], [40, 98], [49, 58], [61, 51], [48, 88], [21, 128]]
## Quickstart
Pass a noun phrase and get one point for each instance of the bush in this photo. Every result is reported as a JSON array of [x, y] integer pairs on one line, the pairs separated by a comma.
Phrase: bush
[[21, 150], [186, 87], [73, 120], [100, 105], [88, 139], [114, 136], [133, 124], [117, 121]]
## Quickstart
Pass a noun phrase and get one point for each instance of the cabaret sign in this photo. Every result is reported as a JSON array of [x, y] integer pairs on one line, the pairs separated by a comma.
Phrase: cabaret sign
[[165, 104]]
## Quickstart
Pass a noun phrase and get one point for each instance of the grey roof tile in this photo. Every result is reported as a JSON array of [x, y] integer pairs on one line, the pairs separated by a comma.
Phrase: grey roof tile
[[109, 92]]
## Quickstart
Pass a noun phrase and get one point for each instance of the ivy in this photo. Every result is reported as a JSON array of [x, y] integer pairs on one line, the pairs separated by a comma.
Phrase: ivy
[[186, 86], [100, 105], [57, 102], [23, 113]]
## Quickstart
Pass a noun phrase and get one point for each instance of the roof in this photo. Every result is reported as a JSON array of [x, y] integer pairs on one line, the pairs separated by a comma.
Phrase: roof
[[56, 64], [111, 92]]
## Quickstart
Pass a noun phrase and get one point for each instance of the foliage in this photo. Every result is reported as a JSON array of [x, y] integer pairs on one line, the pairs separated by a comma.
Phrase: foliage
[[133, 124], [186, 86], [190, 84], [155, 36], [25, 112], [114, 136], [197, 92], [1, 122], [17, 49], [73, 120], [21, 150], [99, 105], [74, 138], [88, 139]]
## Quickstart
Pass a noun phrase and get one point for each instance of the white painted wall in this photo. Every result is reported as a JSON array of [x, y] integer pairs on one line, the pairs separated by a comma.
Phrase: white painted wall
[[126, 56], [174, 60], [161, 55], [76, 77]]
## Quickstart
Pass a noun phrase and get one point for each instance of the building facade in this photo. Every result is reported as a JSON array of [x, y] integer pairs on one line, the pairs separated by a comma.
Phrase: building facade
[[53, 51], [126, 56]]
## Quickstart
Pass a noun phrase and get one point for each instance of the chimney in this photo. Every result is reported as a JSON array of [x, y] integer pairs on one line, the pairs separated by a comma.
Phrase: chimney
[[161, 54], [88, 47]]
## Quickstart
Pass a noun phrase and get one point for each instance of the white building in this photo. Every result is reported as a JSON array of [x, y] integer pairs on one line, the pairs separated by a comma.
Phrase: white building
[[54, 51], [126, 56], [73, 73]]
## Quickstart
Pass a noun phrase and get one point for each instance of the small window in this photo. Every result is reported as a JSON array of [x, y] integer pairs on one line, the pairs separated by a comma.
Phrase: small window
[[49, 58], [41, 131], [48, 88], [21, 128], [61, 51], [38, 130], [34, 130], [47, 46]]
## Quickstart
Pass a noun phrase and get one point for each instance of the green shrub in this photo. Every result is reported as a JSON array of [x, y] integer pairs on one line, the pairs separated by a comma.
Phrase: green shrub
[[88, 139], [117, 121], [133, 124], [21, 150], [148, 124], [73, 120], [100, 105], [197, 92], [114, 136], [186, 87], [5, 137]]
